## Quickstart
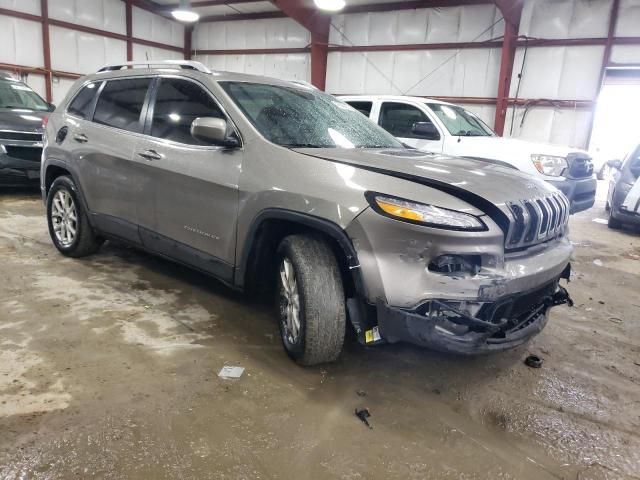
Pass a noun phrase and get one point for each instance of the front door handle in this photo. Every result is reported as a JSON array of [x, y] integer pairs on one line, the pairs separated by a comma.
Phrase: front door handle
[[80, 138], [150, 155]]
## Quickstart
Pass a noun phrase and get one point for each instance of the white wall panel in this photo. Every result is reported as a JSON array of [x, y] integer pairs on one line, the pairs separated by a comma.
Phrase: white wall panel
[[26, 6], [268, 33], [80, 52], [469, 72], [441, 25], [101, 14], [565, 18], [59, 89], [284, 66], [628, 19], [20, 42], [558, 72], [551, 125], [143, 52], [152, 27], [625, 54]]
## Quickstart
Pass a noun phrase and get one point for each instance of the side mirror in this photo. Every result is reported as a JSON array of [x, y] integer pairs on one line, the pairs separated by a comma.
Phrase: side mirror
[[425, 130], [213, 130], [617, 164], [51, 106]]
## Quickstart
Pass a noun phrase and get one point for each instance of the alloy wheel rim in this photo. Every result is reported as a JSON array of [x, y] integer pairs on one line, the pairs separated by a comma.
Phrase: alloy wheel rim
[[290, 304], [64, 218]]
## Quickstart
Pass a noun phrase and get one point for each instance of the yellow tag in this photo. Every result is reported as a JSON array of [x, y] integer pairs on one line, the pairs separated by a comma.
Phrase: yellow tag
[[368, 336]]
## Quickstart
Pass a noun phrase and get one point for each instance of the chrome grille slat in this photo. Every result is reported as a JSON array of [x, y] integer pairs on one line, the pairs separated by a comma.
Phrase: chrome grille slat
[[537, 220]]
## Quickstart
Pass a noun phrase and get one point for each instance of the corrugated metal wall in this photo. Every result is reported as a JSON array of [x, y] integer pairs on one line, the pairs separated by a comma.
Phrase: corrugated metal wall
[[79, 52], [549, 72], [255, 34]]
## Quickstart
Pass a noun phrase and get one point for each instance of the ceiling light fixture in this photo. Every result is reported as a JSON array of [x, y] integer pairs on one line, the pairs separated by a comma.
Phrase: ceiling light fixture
[[184, 13], [330, 5]]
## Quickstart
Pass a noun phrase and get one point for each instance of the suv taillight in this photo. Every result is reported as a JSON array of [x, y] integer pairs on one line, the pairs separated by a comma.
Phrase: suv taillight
[[45, 120]]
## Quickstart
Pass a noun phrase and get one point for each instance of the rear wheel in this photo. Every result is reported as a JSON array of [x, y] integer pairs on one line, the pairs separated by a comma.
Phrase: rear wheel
[[69, 226], [311, 304]]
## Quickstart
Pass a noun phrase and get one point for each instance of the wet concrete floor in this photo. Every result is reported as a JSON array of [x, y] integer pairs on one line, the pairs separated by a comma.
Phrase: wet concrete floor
[[108, 369]]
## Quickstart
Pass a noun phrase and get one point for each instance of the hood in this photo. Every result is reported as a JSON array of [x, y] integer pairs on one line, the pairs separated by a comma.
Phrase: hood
[[22, 120], [506, 149], [489, 182]]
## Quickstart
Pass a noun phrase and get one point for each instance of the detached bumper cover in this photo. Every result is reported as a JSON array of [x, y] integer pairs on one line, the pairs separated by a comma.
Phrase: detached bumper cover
[[440, 325]]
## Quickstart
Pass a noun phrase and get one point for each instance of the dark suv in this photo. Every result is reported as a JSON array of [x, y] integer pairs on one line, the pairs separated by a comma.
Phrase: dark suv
[[21, 114]]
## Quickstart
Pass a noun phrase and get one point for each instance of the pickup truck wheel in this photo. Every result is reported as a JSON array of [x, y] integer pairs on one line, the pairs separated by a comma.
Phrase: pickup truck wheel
[[311, 304], [69, 226], [614, 223]]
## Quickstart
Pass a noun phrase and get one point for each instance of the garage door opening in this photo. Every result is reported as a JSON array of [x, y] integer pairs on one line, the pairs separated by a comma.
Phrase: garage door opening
[[615, 127]]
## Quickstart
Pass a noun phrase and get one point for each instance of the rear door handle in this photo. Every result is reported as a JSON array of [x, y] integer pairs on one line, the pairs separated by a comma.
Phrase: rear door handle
[[80, 138], [150, 155]]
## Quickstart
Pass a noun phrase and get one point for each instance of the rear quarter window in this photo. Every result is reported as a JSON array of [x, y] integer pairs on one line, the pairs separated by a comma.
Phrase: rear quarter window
[[82, 105]]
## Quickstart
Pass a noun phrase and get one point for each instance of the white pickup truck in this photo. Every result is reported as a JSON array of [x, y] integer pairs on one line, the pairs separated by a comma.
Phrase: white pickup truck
[[435, 126]]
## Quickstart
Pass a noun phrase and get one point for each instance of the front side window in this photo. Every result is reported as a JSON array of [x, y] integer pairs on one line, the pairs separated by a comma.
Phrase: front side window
[[15, 94], [120, 104], [82, 104], [399, 118], [363, 107], [305, 117], [459, 121], [178, 103]]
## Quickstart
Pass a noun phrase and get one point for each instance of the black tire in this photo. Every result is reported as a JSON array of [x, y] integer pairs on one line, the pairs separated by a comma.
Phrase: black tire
[[322, 314], [607, 206], [85, 241], [614, 223]]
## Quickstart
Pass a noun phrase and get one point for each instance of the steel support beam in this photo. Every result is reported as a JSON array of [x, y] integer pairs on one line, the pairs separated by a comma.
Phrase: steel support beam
[[188, 38], [511, 12], [318, 25], [46, 49], [128, 13]]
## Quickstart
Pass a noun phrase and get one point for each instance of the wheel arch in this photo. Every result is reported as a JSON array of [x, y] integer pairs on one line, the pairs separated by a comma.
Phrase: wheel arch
[[271, 225], [57, 168]]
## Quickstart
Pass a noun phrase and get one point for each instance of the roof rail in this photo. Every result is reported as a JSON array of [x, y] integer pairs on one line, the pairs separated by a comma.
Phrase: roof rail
[[185, 64]]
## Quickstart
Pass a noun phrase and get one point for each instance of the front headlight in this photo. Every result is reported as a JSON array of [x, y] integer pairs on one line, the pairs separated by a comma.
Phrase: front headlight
[[423, 214], [549, 165]]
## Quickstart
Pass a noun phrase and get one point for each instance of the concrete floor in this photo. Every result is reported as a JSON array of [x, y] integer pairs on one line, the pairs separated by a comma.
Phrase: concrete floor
[[108, 369]]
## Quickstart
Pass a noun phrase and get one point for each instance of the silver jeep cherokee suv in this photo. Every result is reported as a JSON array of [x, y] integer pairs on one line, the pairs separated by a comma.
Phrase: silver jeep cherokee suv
[[265, 183]]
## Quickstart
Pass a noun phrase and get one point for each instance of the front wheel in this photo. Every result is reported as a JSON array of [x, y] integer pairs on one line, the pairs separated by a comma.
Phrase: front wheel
[[69, 225], [311, 303]]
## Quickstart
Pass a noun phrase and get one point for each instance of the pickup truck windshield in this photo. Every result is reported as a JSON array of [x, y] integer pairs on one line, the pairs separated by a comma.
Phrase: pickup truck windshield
[[305, 117], [460, 122], [18, 95]]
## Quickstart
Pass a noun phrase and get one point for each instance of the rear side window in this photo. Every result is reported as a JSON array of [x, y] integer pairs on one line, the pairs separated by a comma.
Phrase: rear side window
[[363, 107], [120, 104], [398, 119], [178, 103], [82, 105]]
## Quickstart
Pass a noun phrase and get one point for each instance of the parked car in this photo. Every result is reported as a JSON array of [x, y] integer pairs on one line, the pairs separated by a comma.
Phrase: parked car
[[434, 126], [21, 114], [261, 182], [623, 197]]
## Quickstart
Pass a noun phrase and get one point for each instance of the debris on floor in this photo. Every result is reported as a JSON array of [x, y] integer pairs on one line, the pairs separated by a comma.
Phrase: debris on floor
[[597, 262], [364, 416], [361, 393], [601, 221], [231, 372], [533, 361]]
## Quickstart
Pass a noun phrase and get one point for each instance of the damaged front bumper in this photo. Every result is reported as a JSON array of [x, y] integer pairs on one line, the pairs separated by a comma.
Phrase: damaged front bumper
[[446, 326]]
